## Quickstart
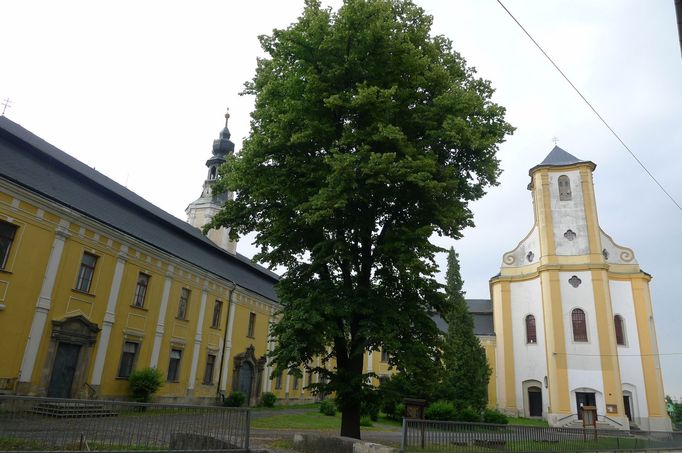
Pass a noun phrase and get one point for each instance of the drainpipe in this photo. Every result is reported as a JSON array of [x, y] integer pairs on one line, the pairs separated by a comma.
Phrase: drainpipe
[[227, 344]]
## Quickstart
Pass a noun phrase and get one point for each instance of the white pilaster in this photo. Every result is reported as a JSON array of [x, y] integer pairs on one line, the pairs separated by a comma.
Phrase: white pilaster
[[228, 344], [370, 364], [44, 304], [197, 340], [109, 318], [161, 321]]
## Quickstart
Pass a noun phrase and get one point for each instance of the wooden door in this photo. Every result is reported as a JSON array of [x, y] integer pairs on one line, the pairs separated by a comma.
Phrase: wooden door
[[63, 370]]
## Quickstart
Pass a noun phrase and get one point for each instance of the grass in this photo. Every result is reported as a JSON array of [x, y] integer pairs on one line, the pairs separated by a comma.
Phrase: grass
[[284, 444], [305, 420], [527, 421], [16, 443], [280, 407]]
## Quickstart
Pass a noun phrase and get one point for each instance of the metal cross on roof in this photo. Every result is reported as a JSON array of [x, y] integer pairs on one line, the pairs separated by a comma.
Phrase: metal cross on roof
[[6, 103], [555, 140]]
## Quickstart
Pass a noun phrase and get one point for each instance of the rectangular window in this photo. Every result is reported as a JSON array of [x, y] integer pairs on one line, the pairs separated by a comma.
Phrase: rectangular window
[[174, 365], [252, 325], [86, 272], [278, 382], [184, 303], [141, 290], [217, 309], [295, 382], [384, 356], [128, 357], [7, 233], [208, 372]]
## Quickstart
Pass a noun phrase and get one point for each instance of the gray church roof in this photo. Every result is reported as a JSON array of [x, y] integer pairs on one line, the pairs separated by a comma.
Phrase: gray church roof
[[29, 161], [558, 157], [482, 312]]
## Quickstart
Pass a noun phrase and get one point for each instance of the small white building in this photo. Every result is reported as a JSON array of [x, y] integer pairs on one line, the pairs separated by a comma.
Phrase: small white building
[[572, 313]]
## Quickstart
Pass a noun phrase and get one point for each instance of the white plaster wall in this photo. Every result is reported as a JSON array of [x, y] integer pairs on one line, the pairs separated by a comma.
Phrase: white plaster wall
[[530, 360], [616, 253], [569, 215], [519, 256], [583, 361], [628, 356]]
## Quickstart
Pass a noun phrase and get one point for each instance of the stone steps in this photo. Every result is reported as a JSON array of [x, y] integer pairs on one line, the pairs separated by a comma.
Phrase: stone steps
[[71, 410]]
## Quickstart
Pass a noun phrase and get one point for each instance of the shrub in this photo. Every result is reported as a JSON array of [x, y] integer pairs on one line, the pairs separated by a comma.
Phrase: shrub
[[235, 399], [327, 407], [399, 411], [441, 410], [371, 405], [494, 416], [366, 421], [144, 383], [468, 414], [268, 399]]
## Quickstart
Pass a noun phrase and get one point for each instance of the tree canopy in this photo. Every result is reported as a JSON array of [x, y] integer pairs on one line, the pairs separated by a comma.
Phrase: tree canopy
[[368, 136]]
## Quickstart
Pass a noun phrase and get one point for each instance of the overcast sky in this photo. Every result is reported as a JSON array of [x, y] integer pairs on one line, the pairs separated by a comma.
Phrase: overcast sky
[[138, 90]]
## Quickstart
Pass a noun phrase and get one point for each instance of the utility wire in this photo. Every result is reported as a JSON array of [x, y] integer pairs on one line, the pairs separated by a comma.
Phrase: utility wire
[[591, 107]]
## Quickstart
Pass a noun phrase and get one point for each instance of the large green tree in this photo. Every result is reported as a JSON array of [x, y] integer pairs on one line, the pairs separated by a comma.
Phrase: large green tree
[[466, 374], [368, 136]]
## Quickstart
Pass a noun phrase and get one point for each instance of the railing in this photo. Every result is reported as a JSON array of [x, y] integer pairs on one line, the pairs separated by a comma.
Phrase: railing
[[435, 436], [28, 423]]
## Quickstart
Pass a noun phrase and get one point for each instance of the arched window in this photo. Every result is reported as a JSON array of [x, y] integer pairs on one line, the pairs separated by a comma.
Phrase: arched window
[[620, 330], [564, 188], [531, 335], [579, 325]]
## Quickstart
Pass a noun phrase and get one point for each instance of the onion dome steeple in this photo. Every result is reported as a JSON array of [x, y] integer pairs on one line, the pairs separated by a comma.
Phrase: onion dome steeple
[[202, 210]]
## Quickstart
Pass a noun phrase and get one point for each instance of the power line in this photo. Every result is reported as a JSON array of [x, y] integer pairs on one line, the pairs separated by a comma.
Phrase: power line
[[591, 107]]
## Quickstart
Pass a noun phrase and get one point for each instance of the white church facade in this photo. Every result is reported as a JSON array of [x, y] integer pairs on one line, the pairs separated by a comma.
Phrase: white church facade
[[572, 313]]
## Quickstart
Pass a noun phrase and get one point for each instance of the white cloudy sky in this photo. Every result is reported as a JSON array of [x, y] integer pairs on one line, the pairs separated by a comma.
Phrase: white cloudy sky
[[138, 91]]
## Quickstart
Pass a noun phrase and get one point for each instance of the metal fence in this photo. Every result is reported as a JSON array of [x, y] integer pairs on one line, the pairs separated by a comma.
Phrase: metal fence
[[28, 423], [435, 436]]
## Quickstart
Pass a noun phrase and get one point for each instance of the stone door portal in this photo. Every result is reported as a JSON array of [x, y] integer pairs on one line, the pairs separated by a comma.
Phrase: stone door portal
[[63, 370]]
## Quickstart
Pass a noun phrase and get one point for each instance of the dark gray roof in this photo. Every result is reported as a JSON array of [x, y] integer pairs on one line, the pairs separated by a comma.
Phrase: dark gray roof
[[558, 157], [482, 312], [29, 161]]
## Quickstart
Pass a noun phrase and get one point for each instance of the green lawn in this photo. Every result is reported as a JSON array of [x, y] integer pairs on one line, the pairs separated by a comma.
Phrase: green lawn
[[527, 421], [279, 407], [306, 420]]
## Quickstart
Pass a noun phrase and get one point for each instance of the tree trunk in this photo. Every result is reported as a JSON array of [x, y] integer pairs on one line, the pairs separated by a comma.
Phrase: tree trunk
[[350, 421]]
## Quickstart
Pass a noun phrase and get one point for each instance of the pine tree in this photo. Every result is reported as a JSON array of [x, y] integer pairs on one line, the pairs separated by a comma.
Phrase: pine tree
[[466, 374]]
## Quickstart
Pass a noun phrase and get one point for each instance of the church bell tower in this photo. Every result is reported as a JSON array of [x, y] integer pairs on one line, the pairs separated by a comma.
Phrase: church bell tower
[[202, 210]]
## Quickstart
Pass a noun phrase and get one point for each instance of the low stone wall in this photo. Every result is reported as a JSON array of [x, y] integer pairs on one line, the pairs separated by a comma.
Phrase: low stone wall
[[315, 443]]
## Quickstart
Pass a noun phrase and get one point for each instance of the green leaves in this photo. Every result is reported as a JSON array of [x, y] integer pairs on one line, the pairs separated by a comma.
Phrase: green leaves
[[368, 136]]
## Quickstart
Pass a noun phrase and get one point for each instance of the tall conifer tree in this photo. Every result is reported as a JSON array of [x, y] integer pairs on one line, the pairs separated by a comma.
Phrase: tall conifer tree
[[466, 368]]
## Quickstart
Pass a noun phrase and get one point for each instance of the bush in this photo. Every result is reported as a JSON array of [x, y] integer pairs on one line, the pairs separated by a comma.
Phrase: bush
[[327, 407], [235, 399], [268, 399], [495, 416], [468, 415], [144, 383], [441, 410], [366, 421], [371, 404], [399, 412]]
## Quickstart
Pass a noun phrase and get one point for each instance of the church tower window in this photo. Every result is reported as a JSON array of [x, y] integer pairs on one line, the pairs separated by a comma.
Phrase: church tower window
[[565, 188], [579, 325], [531, 334], [620, 330]]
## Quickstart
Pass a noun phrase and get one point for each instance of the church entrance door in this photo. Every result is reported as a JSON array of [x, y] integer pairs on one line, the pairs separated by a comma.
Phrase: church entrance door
[[64, 368], [628, 407], [584, 399], [245, 379], [534, 402]]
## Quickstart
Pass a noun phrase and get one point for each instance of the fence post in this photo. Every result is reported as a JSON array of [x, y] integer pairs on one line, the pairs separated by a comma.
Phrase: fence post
[[403, 442], [248, 429]]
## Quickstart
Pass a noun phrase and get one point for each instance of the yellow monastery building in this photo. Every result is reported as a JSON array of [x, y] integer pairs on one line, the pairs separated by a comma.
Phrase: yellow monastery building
[[96, 282]]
